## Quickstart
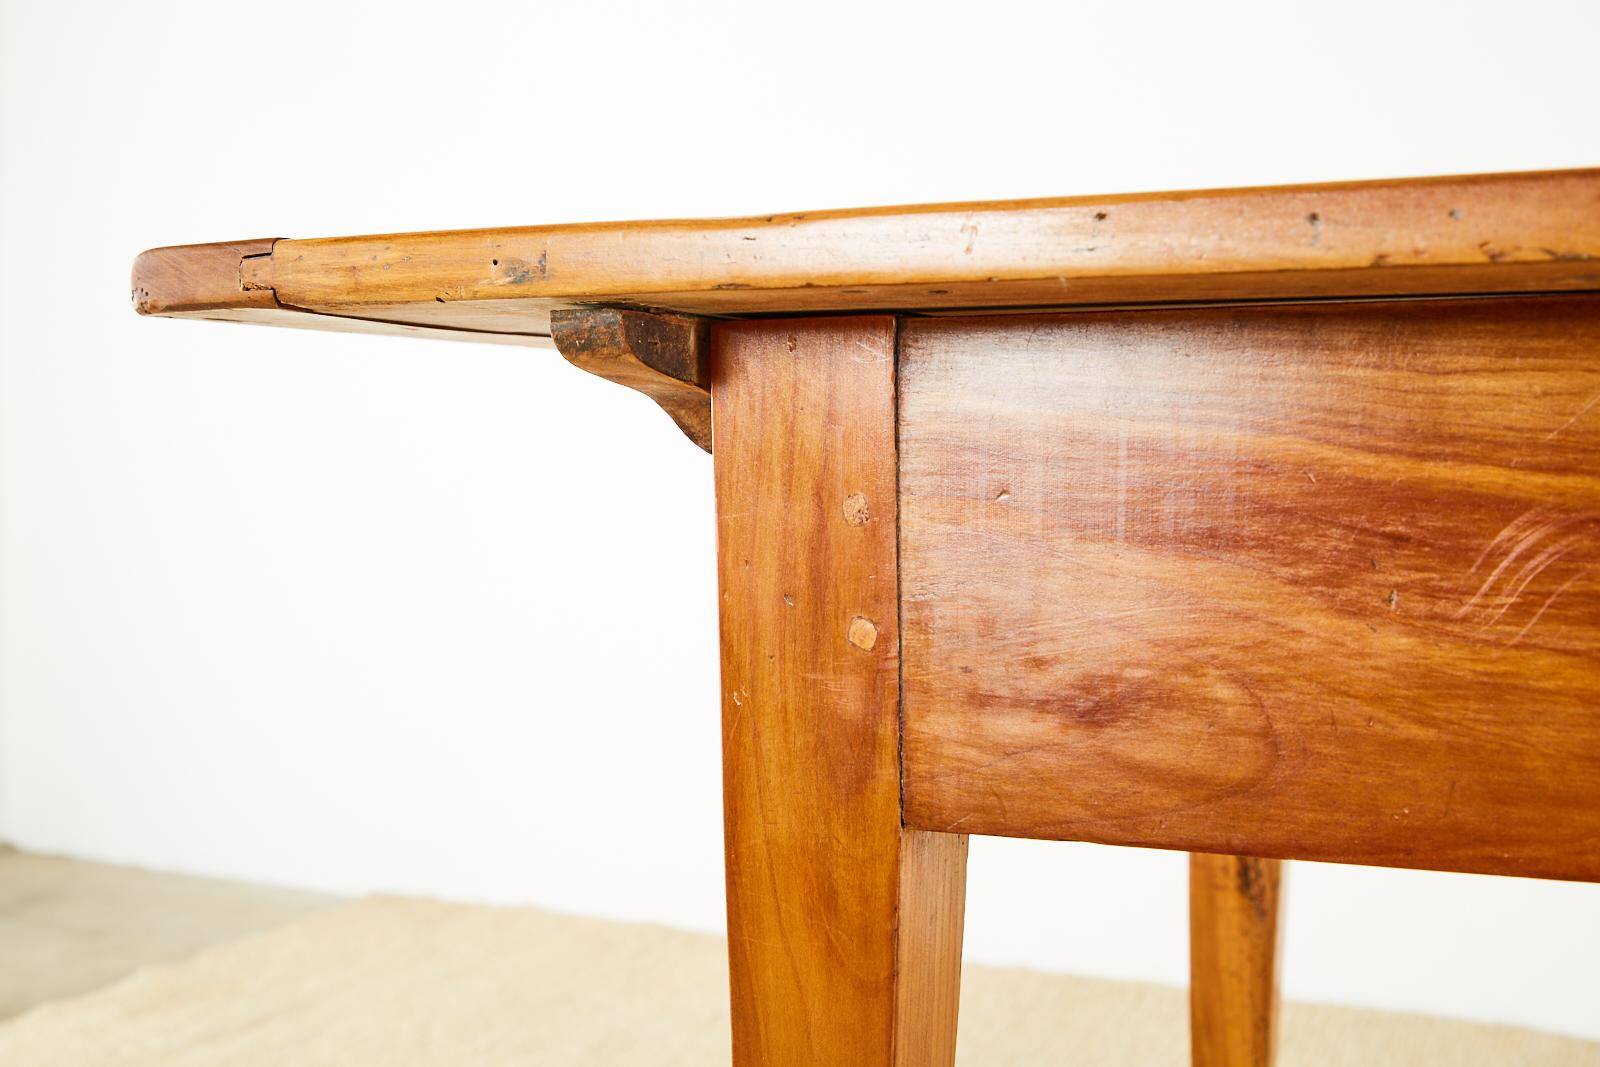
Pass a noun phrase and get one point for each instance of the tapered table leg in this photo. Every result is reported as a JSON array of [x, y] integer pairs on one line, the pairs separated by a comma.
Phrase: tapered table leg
[[1233, 960], [844, 929]]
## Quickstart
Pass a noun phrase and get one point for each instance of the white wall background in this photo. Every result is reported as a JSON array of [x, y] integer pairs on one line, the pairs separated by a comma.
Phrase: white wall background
[[381, 614]]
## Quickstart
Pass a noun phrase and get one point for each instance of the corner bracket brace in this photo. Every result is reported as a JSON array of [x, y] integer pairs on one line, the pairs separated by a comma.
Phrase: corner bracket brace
[[666, 357]]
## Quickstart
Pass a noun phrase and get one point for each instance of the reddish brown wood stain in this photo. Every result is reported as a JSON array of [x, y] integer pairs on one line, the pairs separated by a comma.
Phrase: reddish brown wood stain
[[1320, 582], [844, 929], [1233, 960], [1317, 582]]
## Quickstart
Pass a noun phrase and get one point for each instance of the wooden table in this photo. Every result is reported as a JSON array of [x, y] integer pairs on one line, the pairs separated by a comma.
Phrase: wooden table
[[1262, 524]]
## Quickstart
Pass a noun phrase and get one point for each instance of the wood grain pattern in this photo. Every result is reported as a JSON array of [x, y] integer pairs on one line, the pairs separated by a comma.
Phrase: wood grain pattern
[[1315, 582], [207, 282], [194, 279], [840, 939], [1234, 938], [928, 937], [1478, 234], [665, 357]]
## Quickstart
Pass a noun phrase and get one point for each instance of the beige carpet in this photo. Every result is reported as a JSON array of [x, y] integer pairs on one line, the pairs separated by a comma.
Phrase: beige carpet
[[406, 983], [67, 927]]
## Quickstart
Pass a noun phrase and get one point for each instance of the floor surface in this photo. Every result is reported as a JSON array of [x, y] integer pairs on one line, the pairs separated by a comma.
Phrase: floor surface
[[111, 967], [68, 927]]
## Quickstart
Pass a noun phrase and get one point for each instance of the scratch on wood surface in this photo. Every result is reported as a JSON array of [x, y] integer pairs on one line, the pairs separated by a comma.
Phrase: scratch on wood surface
[[1584, 409], [999, 620], [1548, 601], [1530, 570], [1512, 528], [877, 353], [1526, 532]]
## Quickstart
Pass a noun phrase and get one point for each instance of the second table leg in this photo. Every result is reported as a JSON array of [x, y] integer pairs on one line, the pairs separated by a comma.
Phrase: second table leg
[[1233, 959]]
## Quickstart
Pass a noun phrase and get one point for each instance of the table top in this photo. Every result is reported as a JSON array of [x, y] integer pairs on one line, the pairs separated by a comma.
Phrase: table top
[[1502, 233]]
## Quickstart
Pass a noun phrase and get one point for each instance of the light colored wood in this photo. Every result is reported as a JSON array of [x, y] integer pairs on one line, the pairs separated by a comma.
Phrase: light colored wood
[[1479, 234], [1315, 582], [1234, 939], [207, 282], [306, 320], [933, 908], [666, 357], [842, 943]]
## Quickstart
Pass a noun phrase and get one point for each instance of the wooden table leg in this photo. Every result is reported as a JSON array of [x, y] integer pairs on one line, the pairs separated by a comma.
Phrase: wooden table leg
[[1233, 960], [844, 929]]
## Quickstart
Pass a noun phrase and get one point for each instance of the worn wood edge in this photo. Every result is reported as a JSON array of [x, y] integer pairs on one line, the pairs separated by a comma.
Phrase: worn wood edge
[[215, 282], [665, 357], [190, 279], [1235, 939], [1488, 233]]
